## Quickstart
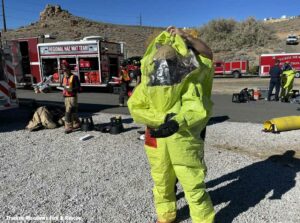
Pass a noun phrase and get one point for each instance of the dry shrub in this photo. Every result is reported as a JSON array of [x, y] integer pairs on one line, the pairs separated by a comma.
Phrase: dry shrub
[[227, 34]]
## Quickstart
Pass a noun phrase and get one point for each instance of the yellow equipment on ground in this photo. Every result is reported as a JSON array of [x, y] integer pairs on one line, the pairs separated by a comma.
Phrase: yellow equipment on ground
[[282, 124]]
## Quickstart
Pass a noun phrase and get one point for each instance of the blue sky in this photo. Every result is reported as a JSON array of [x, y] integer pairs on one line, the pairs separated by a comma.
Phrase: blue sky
[[180, 13]]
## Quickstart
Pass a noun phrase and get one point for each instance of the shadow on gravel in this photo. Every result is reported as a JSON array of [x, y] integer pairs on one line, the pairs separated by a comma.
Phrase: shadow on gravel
[[130, 128], [217, 119], [127, 120], [14, 119], [104, 127], [246, 187]]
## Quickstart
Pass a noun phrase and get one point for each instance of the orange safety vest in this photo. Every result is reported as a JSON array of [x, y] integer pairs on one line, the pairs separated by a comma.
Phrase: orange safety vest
[[125, 75], [67, 83]]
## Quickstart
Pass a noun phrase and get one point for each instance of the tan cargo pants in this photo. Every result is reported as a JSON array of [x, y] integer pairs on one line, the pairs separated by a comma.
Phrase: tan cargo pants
[[71, 105], [41, 117]]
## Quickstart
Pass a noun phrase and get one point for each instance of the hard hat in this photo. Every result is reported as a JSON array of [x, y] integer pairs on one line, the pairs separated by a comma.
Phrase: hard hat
[[65, 64]]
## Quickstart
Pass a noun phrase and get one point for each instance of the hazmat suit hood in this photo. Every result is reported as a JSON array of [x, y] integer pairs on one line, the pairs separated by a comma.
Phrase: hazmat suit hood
[[167, 67]]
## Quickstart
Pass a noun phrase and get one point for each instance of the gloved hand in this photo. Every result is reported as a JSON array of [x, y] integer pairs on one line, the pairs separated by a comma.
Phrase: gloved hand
[[165, 130]]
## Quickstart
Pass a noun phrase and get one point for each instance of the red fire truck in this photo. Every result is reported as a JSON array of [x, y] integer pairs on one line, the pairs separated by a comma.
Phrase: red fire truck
[[95, 61], [267, 61], [8, 97], [231, 68], [24, 60]]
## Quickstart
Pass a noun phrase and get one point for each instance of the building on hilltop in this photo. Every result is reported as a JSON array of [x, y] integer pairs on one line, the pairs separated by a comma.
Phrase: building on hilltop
[[282, 18]]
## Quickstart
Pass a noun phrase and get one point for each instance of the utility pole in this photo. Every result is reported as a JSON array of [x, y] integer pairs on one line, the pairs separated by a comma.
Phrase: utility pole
[[3, 15], [140, 18]]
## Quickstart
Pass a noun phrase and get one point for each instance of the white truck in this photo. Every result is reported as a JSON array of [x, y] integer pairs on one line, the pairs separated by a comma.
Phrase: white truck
[[292, 40]]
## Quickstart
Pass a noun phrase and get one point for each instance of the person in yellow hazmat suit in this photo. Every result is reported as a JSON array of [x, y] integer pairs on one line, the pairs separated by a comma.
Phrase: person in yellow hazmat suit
[[174, 102], [287, 81]]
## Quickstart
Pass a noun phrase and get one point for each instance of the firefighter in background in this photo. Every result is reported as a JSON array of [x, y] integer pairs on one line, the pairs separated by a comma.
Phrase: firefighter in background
[[275, 74], [287, 66], [125, 80], [174, 102], [71, 86], [287, 81], [137, 72]]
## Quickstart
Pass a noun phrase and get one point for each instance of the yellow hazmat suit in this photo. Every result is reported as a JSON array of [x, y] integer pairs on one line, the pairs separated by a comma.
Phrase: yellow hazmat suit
[[181, 154], [287, 81]]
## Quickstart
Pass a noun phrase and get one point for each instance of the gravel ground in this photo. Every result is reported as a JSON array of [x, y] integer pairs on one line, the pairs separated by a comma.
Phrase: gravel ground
[[106, 178]]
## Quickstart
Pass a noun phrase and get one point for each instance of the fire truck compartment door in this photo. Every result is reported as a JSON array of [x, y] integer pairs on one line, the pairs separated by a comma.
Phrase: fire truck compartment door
[[13, 59], [265, 69]]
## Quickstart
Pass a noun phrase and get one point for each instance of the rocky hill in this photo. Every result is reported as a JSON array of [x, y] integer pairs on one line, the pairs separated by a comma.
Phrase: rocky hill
[[65, 26]]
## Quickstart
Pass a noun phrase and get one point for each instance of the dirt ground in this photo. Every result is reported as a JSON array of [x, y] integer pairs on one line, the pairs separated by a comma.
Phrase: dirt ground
[[224, 85]]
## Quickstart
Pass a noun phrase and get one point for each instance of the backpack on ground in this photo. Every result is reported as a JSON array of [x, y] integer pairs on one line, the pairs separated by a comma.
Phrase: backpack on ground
[[242, 97]]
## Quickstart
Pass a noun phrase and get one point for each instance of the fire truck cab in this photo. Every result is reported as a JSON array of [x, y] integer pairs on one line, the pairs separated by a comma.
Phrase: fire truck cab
[[231, 68], [24, 60]]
